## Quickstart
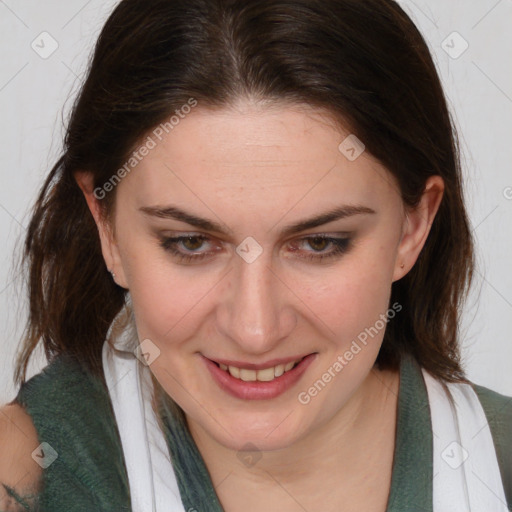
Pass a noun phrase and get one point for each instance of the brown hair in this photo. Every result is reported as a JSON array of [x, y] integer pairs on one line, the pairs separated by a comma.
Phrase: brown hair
[[365, 62]]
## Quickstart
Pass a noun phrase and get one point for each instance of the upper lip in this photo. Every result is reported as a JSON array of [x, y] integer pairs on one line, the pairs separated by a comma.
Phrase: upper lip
[[258, 366]]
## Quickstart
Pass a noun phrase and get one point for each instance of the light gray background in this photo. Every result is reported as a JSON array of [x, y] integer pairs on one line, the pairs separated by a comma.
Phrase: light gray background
[[36, 94]]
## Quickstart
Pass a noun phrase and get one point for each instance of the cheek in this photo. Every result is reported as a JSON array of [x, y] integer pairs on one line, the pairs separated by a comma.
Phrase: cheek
[[168, 303], [353, 305], [161, 293], [354, 295]]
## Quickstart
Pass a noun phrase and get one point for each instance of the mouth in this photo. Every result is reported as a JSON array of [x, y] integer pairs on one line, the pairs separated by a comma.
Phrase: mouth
[[265, 374], [256, 382]]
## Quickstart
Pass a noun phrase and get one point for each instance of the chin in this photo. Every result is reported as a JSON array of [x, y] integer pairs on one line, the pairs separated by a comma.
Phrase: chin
[[258, 431]]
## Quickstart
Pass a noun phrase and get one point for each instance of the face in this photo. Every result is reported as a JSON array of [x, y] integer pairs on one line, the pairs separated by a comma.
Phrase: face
[[249, 240]]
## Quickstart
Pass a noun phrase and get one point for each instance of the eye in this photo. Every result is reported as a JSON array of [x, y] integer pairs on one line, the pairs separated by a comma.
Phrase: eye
[[324, 247], [190, 243], [188, 248]]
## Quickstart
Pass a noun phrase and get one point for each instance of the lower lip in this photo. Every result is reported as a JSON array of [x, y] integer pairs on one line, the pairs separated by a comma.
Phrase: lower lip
[[257, 390]]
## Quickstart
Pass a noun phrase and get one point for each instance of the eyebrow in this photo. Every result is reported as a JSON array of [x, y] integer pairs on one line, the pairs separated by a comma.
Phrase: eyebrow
[[175, 213]]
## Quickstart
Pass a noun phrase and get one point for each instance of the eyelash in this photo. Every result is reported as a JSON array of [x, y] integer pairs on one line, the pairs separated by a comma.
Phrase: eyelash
[[340, 247]]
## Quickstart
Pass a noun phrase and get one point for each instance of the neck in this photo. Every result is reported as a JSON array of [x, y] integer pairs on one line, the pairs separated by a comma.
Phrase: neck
[[341, 450]]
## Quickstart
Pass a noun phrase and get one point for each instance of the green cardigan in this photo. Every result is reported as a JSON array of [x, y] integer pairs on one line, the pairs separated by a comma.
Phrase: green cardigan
[[72, 412]]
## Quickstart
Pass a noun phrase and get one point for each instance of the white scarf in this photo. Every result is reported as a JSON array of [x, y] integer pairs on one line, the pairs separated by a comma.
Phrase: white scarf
[[460, 484], [466, 472], [153, 484]]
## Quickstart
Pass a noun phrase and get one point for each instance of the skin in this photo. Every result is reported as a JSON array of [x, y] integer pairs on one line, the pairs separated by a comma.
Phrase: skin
[[18, 440], [255, 168]]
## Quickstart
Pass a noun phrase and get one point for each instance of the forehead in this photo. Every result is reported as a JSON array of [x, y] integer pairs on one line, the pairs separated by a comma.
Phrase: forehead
[[251, 152]]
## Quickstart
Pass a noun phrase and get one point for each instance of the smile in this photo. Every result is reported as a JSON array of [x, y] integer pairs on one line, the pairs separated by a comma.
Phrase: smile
[[264, 375], [258, 382]]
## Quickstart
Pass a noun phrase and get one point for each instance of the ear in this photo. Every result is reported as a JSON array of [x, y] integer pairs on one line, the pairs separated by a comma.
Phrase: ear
[[109, 247], [416, 226]]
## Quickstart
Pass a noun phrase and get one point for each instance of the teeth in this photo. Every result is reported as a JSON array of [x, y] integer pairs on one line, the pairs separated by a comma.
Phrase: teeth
[[247, 375], [279, 370], [234, 371], [264, 375]]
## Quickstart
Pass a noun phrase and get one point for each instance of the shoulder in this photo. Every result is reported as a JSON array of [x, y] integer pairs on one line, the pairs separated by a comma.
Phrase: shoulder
[[65, 400], [83, 462], [498, 411], [18, 447], [42, 403], [497, 407], [62, 374], [62, 396]]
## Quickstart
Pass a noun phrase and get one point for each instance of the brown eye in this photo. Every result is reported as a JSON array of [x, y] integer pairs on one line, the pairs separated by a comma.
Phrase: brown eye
[[321, 248], [192, 243], [318, 243], [184, 248]]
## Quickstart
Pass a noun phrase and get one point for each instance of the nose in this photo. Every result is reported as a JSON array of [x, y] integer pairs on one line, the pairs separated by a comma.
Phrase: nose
[[253, 312]]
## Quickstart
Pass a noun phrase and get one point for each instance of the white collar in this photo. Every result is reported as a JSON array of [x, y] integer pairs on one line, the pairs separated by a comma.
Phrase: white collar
[[153, 484], [466, 471]]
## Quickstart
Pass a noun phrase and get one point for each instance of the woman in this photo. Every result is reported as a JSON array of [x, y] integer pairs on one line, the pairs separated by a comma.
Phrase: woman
[[247, 269]]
